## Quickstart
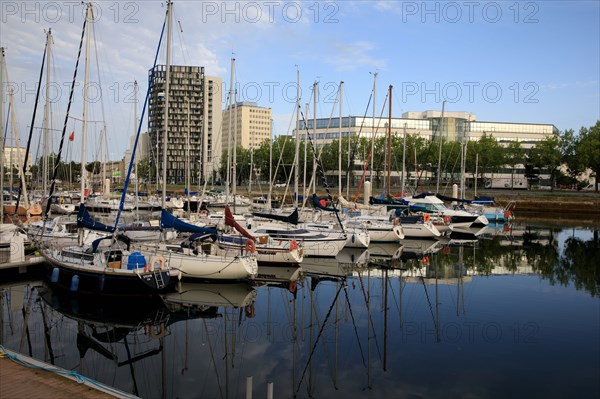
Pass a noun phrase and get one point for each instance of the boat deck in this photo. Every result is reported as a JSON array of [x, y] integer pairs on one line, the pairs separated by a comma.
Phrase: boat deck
[[34, 381]]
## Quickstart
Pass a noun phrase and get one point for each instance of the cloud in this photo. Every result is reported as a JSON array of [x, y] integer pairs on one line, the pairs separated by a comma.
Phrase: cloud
[[386, 6], [354, 55]]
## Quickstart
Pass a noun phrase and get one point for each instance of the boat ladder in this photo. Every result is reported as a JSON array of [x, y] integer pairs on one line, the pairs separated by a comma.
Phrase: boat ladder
[[158, 278]]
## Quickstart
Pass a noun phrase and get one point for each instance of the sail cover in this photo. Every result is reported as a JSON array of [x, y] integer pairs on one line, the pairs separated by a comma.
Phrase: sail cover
[[478, 200], [292, 218], [168, 221], [388, 201], [85, 220], [230, 221]]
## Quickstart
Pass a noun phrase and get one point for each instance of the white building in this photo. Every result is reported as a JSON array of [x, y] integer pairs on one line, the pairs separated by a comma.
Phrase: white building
[[429, 124]]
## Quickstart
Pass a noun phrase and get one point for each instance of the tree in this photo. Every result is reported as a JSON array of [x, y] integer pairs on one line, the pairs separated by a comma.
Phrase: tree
[[513, 155], [488, 153], [588, 149], [547, 154], [93, 167], [143, 169]]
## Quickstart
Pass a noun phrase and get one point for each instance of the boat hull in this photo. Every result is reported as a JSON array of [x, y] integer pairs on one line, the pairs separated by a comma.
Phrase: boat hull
[[103, 281], [213, 267]]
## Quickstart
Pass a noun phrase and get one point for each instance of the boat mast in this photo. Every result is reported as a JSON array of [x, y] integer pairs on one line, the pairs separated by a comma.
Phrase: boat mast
[[389, 143], [89, 18], [374, 115], [46, 116], [15, 134], [315, 95], [350, 172], [270, 165], [476, 164], [463, 158], [133, 153], [228, 176], [403, 183], [439, 168], [187, 158], [297, 157], [251, 169], [340, 148], [305, 191], [166, 121], [105, 157], [234, 159]]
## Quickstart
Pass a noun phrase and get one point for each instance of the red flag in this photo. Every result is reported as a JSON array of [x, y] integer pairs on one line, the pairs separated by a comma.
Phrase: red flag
[[72, 136]]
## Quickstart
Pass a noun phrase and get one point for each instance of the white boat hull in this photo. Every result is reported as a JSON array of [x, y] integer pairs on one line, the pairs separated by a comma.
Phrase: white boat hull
[[211, 266]]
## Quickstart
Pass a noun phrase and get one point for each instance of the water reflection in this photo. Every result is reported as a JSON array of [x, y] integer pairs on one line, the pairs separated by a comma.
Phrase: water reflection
[[425, 318]]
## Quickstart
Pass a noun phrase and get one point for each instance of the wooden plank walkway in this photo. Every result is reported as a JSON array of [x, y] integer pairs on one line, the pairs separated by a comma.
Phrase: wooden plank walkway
[[18, 381]]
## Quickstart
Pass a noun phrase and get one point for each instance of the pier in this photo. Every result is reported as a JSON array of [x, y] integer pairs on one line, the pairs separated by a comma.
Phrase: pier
[[24, 377]]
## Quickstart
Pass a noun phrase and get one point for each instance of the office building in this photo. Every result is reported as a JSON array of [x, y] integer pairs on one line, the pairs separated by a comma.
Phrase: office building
[[16, 157], [253, 124], [430, 124]]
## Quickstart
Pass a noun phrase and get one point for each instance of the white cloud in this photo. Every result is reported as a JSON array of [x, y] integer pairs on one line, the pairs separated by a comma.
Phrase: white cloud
[[354, 55]]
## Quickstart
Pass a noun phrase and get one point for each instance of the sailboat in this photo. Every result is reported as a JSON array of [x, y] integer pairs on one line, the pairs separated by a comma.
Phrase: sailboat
[[106, 265], [197, 257], [193, 257], [12, 238], [268, 250]]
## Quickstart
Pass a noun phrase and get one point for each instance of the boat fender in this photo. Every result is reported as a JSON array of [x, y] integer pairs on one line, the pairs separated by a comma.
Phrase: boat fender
[[55, 274], [156, 259], [249, 311], [293, 245], [396, 221], [74, 283], [101, 281], [250, 246], [157, 331], [425, 260], [426, 217], [447, 219], [292, 286]]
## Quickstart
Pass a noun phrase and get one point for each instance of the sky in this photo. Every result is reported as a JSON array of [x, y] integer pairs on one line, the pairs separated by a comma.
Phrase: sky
[[504, 61]]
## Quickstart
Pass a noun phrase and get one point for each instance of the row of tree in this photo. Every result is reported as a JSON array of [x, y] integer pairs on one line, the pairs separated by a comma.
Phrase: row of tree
[[577, 152]]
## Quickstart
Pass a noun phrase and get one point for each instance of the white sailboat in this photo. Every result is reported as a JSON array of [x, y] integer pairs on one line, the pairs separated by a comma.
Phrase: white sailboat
[[192, 257], [268, 250]]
